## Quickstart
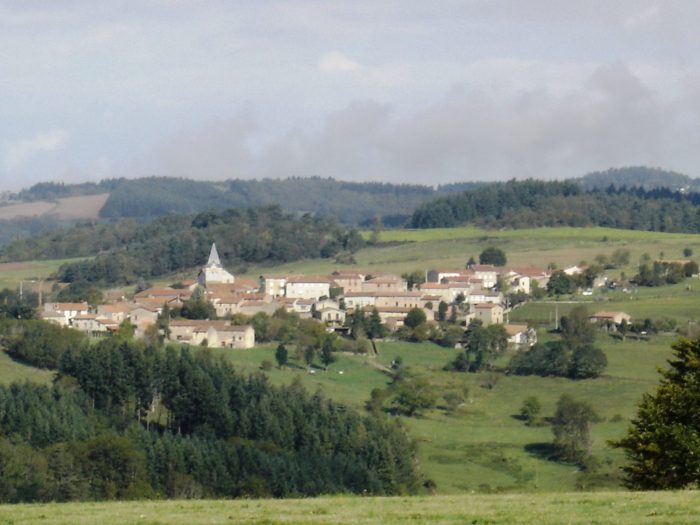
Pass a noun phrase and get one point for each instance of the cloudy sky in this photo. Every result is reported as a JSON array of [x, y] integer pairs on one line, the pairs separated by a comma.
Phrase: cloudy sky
[[393, 90]]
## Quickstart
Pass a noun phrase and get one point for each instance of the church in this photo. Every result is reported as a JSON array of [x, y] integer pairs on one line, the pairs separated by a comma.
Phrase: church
[[213, 272]]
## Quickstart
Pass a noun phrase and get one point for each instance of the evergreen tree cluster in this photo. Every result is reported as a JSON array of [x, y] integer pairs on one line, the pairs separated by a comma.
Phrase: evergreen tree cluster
[[125, 420], [532, 203]]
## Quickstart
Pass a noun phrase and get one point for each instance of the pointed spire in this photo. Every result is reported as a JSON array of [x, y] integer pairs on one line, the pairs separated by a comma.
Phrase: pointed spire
[[213, 256]]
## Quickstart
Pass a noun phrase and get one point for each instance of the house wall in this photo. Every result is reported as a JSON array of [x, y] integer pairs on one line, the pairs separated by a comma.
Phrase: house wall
[[307, 290]]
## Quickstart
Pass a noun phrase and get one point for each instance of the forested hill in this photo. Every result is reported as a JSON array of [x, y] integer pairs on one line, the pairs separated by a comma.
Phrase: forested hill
[[128, 250], [639, 177], [348, 202], [531, 203]]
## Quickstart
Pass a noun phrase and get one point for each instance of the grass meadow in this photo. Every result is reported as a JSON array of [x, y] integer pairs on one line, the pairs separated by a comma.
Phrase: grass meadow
[[32, 273], [12, 371], [483, 446], [602, 508], [408, 250]]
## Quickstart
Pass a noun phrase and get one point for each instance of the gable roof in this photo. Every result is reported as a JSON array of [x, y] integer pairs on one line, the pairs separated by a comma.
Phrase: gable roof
[[70, 306]]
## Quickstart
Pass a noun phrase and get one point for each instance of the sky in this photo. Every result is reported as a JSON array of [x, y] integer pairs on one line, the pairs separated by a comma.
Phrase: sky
[[403, 91]]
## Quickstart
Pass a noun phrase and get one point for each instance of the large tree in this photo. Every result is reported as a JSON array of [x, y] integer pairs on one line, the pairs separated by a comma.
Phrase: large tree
[[494, 256], [571, 426], [663, 442]]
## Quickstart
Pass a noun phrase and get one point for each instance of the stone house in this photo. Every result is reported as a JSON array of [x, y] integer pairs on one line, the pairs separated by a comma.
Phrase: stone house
[[385, 283], [610, 317], [488, 313]]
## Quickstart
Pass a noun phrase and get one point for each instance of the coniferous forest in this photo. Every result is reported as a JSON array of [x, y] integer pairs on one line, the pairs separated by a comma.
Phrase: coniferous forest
[[533, 203], [127, 420]]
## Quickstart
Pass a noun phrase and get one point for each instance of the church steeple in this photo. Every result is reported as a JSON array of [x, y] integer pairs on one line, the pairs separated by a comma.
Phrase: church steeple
[[213, 272], [213, 256]]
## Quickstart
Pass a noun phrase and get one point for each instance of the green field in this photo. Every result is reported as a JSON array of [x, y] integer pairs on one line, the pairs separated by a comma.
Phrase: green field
[[409, 250], [484, 447], [11, 371], [30, 272], [680, 302], [671, 508]]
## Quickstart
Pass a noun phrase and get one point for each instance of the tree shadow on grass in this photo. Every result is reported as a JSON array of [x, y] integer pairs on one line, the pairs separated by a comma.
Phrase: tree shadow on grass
[[545, 451]]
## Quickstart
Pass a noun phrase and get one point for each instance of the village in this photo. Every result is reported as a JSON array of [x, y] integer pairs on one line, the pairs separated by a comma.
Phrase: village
[[463, 295]]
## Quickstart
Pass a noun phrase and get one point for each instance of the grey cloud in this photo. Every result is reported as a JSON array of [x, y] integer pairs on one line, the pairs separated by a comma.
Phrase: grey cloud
[[613, 119]]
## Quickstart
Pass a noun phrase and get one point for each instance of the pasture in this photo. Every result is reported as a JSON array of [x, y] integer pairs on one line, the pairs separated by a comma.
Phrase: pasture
[[31, 273], [409, 250], [12, 371], [483, 446], [602, 508]]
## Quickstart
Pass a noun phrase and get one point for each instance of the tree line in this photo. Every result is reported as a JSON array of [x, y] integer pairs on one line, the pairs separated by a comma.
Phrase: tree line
[[532, 203], [128, 251]]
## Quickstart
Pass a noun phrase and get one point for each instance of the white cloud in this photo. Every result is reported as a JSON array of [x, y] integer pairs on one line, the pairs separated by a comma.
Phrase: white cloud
[[334, 62], [642, 18], [23, 150]]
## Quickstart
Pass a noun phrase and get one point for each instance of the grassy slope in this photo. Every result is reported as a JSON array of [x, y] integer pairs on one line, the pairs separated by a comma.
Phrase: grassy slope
[[483, 447], [423, 249], [12, 273], [11, 371], [675, 508], [680, 302]]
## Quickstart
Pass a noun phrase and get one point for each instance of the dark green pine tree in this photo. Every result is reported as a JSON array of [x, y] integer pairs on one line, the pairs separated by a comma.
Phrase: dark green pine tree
[[375, 329], [663, 443]]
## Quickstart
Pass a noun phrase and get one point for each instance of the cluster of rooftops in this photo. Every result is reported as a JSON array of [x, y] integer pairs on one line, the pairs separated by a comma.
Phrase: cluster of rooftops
[[470, 293]]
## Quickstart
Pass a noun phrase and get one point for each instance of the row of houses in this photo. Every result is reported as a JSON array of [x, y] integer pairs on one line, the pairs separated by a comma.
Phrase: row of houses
[[470, 292]]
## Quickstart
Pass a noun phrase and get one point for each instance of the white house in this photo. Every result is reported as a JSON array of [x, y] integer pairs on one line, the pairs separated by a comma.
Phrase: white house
[[308, 287], [63, 313]]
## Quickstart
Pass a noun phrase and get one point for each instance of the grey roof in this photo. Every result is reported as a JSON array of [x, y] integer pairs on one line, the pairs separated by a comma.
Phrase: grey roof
[[213, 257]]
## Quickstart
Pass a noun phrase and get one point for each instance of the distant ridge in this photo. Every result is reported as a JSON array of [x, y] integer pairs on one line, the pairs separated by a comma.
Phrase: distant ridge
[[639, 177]]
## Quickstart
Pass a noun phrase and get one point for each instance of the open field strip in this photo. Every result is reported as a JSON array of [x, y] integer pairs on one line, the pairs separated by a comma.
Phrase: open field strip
[[451, 247], [12, 273], [80, 207], [12, 372], [603, 508]]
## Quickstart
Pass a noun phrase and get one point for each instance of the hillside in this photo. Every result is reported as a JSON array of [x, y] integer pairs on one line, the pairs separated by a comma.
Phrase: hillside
[[640, 177], [533, 203], [496, 453], [129, 251], [150, 197]]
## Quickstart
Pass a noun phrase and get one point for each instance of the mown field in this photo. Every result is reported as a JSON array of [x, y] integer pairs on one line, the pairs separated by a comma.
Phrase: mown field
[[602, 508]]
